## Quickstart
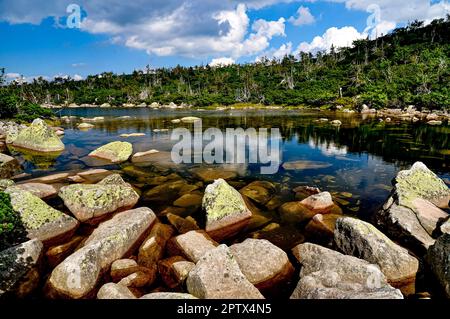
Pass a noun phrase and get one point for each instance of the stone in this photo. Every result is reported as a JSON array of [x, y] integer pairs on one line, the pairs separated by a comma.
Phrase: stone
[[304, 165], [5, 183], [264, 264], [175, 121], [295, 212], [50, 179], [319, 203], [143, 156], [438, 258], [434, 122], [174, 271], [56, 254], [259, 191], [168, 295], [407, 215], [191, 245], [85, 126], [190, 119], [143, 277], [77, 276], [445, 227], [328, 274], [114, 291], [322, 225], [182, 225], [226, 212], [132, 135], [94, 175], [39, 219], [121, 268], [217, 276], [189, 200], [91, 201], [115, 152], [39, 137], [168, 191], [336, 123], [16, 266], [9, 166], [41, 190], [362, 240], [209, 174], [153, 247]]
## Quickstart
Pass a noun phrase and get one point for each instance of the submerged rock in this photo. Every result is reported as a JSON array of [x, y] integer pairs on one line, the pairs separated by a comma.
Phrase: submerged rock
[[115, 152], [259, 191], [406, 215], [85, 126], [438, 258], [94, 175], [303, 165], [264, 264], [319, 203], [8, 166], [190, 119], [39, 219], [210, 174], [328, 274], [77, 276], [217, 276], [19, 266], [362, 240], [226, 212], [88, 201], [39, 137]]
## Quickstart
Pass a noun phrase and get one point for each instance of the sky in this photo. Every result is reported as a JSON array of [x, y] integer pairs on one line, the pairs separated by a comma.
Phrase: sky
[[77, 38]]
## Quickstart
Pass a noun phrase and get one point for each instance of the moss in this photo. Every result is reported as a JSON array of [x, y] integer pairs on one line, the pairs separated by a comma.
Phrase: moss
[[12, 231], [222, 200]]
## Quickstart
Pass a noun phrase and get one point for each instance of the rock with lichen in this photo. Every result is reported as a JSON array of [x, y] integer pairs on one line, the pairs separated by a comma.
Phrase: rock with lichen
[[226, 211], [5, 183], [77, 276], [115, 152], [8, 166], [411, 214], [39, 219], [90, 201], [19, 268], [38, 137]]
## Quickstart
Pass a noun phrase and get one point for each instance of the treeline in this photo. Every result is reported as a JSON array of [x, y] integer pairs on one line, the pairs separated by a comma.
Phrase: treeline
[[411, 65]]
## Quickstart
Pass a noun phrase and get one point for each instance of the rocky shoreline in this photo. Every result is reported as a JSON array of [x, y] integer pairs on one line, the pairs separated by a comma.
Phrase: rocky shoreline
[[93, 234]]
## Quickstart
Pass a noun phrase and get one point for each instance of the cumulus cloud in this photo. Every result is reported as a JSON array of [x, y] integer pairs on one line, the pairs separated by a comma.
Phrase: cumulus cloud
[[304, 17], [12, 75], [77, 77], [218, 62], [337, 37], [276, 53], [78, 65]]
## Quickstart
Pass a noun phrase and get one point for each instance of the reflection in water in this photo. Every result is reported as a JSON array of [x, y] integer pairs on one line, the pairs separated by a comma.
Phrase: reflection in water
[[363, 154]]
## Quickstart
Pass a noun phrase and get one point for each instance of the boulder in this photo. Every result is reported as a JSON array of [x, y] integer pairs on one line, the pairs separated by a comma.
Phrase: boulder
[[264, 264], [438, 258], [115, 152], [217, 276], [406, 215], [191, 245], [303, 165], [259, 191], [39, 219], [210, 174], [41, 190], [167, 295], [322, 225], [77, 276], [168, 191], [56, 254], [114, 291], [19, 266], [5, 183], [8, 166], [362, 240], [174, 270], [190, 119], [50, 179], [189, 200], [39, 137], [92, 201], [141, 278], [146, 156], [328, 274], [122, 268], [295, 212], [319, 203], [94, 175], [226, 212], [181, 224], [85, 126], [153, 247]]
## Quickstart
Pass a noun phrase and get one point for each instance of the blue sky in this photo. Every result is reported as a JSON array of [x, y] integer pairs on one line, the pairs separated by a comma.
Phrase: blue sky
[[121, 37]]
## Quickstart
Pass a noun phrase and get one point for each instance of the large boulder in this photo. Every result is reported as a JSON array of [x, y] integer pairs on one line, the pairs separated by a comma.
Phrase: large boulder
[[39, 219], [264, 264], [38, 137], [19, 268], [438, 258], [362, 240], [8, 166], [191, 245], [91, 201], [328, 274], [226, 212], [115, 152], [411, 213], [77, 276], [217, 276]]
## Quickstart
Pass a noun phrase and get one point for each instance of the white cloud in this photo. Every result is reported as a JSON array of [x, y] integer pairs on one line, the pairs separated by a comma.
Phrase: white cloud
[[77, 77], [12, 75], [218, 62], [304, 17], [280, 53], [337, 37], [78, 65]]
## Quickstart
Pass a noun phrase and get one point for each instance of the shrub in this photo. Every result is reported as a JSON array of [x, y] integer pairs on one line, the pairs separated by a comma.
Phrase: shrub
[[30, 111], [12, 231], [8, 105]]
